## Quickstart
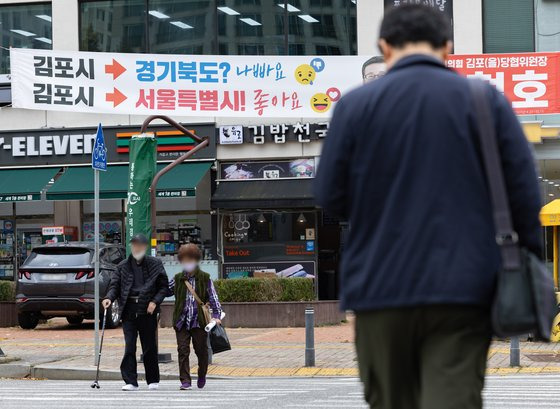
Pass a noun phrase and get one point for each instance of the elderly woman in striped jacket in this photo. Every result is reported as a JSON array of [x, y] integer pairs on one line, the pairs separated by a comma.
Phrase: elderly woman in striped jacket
[[194, 291]]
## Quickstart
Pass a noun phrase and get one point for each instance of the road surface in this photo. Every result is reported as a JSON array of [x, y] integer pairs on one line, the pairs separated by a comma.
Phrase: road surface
[[502, 392]]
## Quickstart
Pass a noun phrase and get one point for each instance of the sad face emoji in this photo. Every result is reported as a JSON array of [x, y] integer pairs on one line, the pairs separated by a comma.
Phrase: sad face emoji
[[305, 74], [320, 102]]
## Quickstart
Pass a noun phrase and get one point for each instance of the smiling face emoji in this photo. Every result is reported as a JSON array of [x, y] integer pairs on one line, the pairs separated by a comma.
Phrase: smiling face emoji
[[305, 74], [320, 102]]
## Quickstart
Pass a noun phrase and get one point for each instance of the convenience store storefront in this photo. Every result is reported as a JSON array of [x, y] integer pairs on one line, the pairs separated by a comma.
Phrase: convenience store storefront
[[47, 180]]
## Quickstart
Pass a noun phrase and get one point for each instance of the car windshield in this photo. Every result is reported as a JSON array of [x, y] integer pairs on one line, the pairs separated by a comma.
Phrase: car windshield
[[58, 257]]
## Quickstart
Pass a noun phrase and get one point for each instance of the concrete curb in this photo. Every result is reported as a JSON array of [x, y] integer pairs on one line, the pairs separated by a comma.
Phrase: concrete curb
[[21, 369], [15, 370], [60, 372], [84, 374]]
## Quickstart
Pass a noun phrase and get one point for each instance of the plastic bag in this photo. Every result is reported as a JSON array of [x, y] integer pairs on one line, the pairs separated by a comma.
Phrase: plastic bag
[[219, 340]]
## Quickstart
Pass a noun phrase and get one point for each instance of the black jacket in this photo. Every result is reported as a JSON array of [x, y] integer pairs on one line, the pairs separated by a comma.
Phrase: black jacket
[[155, 283], [403, 164]]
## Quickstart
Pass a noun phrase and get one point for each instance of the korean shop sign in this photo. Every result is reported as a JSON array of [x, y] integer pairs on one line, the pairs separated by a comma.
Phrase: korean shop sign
[[530, 81], [73, 146], [276, 133], [280, 169], [215, 86]]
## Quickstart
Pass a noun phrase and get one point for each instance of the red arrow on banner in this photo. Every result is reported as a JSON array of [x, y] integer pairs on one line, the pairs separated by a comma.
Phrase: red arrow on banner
[[116, 97], [114, 68]]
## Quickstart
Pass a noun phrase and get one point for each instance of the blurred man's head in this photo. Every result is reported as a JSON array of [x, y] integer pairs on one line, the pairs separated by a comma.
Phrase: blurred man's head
[[414, 29], [373, 68], [138, 246]]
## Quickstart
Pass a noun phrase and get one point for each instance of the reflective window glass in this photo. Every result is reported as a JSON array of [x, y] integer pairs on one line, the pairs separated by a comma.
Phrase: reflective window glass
[[266, 227], [251, 27], [228, 27], [24, 26], [181, 26], [113, 25], [322, 27]]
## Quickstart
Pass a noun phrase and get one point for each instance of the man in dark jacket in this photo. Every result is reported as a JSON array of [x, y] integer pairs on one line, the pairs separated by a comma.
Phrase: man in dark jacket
[[140, 284], [403, 165]]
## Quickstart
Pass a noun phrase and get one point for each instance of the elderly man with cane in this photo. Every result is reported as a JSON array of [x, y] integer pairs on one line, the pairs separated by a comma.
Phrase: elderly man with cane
[[140, 284]]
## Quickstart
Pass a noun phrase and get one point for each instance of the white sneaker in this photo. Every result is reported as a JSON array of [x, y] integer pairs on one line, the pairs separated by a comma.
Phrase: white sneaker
[[153, 386], [129, 387]]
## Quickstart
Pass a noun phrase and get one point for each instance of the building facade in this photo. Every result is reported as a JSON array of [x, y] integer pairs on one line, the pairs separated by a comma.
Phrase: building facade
[[249, 204]]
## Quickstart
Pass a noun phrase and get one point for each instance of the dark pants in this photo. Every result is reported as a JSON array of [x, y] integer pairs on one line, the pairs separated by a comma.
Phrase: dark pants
[[144, 325], [431, 357], [200, 342]]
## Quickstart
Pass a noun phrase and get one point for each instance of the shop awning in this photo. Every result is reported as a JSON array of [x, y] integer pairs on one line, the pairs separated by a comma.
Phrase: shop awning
[[17, 185], [550, 214], [264, 194], [76, 183]]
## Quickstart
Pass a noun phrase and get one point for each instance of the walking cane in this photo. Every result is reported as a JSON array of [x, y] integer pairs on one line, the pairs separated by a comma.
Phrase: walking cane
[[95, 384]]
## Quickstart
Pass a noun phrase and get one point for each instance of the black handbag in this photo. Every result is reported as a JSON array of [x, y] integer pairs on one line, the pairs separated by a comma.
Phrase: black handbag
[[219, 340], [524, 301]]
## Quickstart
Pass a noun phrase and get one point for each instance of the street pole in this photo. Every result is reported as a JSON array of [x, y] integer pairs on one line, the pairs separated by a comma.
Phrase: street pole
[[514, 352], [309, 337], [96, 261]]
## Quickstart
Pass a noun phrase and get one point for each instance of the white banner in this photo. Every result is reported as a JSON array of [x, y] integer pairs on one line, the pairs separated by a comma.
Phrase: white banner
[[197, 85]]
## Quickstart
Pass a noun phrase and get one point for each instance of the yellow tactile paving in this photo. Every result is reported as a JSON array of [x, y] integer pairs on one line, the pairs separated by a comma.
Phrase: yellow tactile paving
[[507, 371], [551, 369], [530, 369], [271, 372], [221, 370], [307, 371], [329, 372], [348, 372], [243, 371], [285, 371], [264, 372]]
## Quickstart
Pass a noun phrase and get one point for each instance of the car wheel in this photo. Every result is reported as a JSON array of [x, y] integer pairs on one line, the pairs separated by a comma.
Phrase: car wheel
[[113, 316], [27, 320], [75, 320]]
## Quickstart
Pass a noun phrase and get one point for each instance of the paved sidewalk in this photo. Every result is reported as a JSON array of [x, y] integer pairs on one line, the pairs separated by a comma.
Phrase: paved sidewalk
[[256, 352]]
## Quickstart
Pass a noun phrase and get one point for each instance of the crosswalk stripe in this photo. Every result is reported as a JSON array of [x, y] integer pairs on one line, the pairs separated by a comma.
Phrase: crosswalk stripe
[[131, 399], [511, 392]]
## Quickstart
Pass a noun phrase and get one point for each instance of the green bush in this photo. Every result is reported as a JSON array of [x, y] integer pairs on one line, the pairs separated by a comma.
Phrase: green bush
[[297, 289], [7, 291], [265, 289]]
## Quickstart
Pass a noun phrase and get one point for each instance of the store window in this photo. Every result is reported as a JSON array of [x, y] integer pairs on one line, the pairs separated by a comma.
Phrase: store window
[[24, 26], [509, 26], [547, 32], [270, 243], [267, 227], [229, 27]]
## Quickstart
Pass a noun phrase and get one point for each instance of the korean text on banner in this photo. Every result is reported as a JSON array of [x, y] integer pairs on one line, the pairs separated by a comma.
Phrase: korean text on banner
[[141, 171], [201, 85], [530, 81]]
